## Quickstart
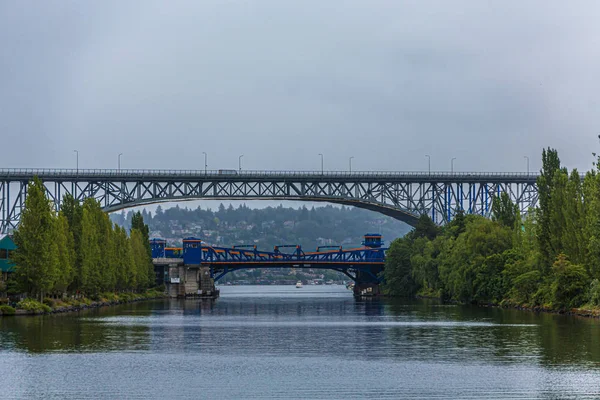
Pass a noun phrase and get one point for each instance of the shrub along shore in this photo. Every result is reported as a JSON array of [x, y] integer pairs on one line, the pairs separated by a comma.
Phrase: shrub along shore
[[545, 259], [48, 306]]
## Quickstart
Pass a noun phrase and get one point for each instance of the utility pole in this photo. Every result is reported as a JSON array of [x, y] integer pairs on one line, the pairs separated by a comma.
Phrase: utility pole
[[321, 163], [527, 164], [350, 162], [240, 162], [77, 152], [428, 163], [119, 163], [205, 161], [452, 164]]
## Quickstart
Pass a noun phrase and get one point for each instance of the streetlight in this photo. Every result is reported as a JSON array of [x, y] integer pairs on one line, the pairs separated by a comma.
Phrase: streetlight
[[119, 163], [527, 164], [428, 163], [350, 162], [77, 152], [240, 162], [452, 164], [321, 163], [205, 162]]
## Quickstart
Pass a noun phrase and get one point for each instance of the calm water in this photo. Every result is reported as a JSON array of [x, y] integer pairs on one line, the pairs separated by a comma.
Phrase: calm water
[[281, 342]]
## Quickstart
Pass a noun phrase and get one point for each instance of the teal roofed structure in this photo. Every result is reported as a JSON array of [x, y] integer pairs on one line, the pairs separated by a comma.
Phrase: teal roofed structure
[[7, 247]]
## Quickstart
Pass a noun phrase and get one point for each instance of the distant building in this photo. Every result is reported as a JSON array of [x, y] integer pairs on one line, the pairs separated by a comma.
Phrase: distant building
[[7, 247]]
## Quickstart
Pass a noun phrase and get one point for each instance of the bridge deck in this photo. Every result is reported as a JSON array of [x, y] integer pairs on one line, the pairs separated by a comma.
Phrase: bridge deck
[[296, 176]]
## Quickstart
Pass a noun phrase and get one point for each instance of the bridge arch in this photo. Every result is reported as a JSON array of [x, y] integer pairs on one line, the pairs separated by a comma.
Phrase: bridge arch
[[401, 215], [401, 195]]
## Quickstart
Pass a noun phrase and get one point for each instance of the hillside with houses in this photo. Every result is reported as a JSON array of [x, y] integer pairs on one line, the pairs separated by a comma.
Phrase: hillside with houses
[[267, 227]]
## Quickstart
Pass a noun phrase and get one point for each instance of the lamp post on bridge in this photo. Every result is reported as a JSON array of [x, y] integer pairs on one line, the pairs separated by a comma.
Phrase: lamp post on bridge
[[119, 162], [240, 162], [321, 163], [428, 163], [452, 165], [527, 164], [350, 163], [205, 162], [77, 152]]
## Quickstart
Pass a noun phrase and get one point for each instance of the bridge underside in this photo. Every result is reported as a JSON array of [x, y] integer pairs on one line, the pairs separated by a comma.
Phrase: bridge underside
[[404, 196], [364, 273]]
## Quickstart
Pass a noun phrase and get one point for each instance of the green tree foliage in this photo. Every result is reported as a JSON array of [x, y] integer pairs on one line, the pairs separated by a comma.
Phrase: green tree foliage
[[77, 249], [73, 211], [549, 257], [137, 222], [37, 254], [398, 270], [504, 210], [545, 184], [570, 283], [66, 254]]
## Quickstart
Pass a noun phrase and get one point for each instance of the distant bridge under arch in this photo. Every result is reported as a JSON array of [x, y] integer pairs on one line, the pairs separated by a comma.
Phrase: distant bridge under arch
[[401, 195]]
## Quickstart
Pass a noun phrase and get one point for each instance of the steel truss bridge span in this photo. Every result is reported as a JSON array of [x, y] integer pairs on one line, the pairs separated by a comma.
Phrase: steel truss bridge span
[[402, 195]]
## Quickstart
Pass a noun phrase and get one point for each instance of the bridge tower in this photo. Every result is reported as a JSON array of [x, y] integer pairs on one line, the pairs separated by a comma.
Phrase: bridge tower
[[368, 280]]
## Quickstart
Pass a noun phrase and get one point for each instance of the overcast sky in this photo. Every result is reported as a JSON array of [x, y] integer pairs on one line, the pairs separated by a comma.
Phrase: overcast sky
[[279, 81]]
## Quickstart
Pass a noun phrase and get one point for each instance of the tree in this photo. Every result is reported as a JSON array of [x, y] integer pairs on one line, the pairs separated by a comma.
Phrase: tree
[[36, 255], [137, 222], [66, 254], [398, 272], [504, 211], [144, 269], [91, 255], [73, 212], [570, 283], [545, 184]]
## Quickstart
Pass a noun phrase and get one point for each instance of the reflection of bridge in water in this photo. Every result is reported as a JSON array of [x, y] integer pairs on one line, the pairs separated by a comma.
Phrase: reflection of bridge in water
[[193, 269], [402, 195]]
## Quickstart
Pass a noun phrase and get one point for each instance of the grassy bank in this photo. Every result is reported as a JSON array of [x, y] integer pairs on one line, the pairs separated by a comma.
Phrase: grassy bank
[[49, 305]]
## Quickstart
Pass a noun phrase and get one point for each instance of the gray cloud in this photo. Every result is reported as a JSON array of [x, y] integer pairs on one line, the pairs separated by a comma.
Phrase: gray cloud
[[384, 81]]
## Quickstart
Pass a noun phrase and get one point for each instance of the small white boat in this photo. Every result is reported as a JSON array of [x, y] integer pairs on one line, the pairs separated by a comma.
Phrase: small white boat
[[298, 285]]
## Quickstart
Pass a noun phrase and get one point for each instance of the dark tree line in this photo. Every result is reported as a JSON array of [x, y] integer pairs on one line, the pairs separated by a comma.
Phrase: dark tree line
[[549, 257], [78, 249]]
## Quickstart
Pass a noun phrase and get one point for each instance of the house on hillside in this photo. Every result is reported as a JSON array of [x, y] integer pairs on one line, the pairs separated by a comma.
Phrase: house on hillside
[[7, 246]]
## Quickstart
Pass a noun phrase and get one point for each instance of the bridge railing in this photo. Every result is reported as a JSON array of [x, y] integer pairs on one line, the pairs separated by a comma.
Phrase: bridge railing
[[154, 173]]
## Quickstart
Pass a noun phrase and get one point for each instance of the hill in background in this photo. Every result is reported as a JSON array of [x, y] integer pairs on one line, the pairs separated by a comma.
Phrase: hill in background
[[270, 226]]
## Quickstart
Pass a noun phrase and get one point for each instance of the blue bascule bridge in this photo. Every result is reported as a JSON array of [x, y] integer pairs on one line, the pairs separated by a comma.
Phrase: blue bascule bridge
[[193, 269]]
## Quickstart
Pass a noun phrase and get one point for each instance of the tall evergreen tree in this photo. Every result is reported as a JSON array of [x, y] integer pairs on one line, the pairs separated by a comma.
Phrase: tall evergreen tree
[[63, 238], [545, 183], [73, 211], [91, 256], [137, 222], [36, 255]]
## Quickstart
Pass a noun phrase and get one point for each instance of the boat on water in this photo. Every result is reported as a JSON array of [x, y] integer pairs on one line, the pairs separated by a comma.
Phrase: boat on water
[[298, 285]]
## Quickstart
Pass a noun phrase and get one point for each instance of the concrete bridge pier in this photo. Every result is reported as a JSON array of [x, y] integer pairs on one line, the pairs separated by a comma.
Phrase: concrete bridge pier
[[366, 289], [191, 281]]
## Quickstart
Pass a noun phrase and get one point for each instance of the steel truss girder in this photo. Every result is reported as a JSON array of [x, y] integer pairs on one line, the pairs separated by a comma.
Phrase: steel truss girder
[[403, 199]]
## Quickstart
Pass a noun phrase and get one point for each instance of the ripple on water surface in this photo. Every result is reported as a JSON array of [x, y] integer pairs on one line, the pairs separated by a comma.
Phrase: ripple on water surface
[[282, 342]]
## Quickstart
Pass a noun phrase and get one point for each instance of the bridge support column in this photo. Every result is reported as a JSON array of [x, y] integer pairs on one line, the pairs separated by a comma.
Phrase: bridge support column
[[366, 289], [207, 283]]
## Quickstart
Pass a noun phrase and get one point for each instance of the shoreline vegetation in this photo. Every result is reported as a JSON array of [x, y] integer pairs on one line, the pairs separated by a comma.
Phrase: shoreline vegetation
[[545, 259], [578, 312], [75, 258], [55, 306]]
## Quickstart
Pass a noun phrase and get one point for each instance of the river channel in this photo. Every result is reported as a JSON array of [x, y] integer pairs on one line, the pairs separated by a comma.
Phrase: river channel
[[317, 342]]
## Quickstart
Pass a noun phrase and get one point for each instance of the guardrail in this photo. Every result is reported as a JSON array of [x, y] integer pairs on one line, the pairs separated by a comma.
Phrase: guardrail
[[124, 173]]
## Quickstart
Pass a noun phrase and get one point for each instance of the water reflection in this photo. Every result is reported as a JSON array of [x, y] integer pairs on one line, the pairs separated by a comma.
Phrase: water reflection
[[336, 326]]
